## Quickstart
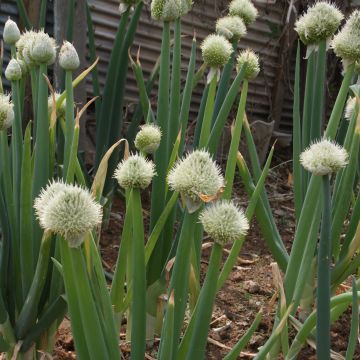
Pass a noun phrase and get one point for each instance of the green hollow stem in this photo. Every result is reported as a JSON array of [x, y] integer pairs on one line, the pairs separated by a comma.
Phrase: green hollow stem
[[28, 313], [354, 330], [69, 117], [138, 305], [179, 280], [209, 107], [205, 306], [235, 141], [323, 276]]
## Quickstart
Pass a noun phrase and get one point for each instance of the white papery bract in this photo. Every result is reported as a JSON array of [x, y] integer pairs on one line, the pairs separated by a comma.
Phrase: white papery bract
[[68, 57], [350, 107], [251, 60], [224, 222], [6, 112], [245, 9], [324, 157], [11, 32], [147, 140], [135, 172], [216, 50], [231, 27], [67, 210], [13, 70]]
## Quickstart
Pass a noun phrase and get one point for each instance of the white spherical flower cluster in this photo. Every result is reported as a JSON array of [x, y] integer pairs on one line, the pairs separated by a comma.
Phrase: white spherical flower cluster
[[324, 157], [251, 60], [11, 32], [216, 50], [148, 138], [196, 175], [68, 57], [6, 112], [224, 222], [13, 70], [67, 210], [346, 43], [245, 9], [169, 10], [319, 23], [60, 111], [135, 172], [231, 27]]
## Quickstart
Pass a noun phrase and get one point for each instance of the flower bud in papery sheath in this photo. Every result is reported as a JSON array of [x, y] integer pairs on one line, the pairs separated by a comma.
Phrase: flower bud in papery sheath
[[135, 172], [231, 27], [11, 32], [68, 57], [350, 107], [216, 50], [6, 112], [69, 211], [195, 176], [251, 60], [224, 222], [60, 111], [244, 9], [43, 49], [169, 10], [13, 71], [319, 23], [147, 140], [346, 43], [324, 157]]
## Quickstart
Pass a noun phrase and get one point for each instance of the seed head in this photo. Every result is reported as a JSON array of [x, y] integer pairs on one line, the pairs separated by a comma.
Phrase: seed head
[[195, 175], [224, 222], [68, 57], [13, 70], [43, 49], [135, 172], [231, 27], [67, 210], [147, 140], [169, 10], [346, 43], [6, 112], [11, 32], [60, 111], [244, 9], [251, 60], [319, 23], [216, 50], [324, 157]]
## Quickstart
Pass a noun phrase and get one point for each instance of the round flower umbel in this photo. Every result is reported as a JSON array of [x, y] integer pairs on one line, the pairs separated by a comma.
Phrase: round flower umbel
[[231, 27], [13, 70], [251, 60], [67, 210], [6, 112], [224, 222], [319, 23], [147, 140], [195, 177], [346, 43], [216, 51], [24, 45], [68, 57], [245, 9], [42, 48], [324, 157], [169, 10], [135, 172], [11, 32]]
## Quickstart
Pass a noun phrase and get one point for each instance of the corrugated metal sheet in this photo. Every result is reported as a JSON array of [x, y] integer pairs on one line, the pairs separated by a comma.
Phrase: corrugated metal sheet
[[262, 37]]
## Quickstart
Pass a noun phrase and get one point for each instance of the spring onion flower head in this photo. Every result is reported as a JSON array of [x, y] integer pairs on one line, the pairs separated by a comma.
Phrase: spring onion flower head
[[68, 57], [216, 50], [196, 176], [136, 172], [147, 140], [67, 210], [346, 42], [251, 60], [245, 9], [13, 70], [224, 222], [43, 48], [24, 45], [350, 107], [11, 32], [319, 23], [231, 27], [60, 110], [169, 10], [6, 112], [324, 157]]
